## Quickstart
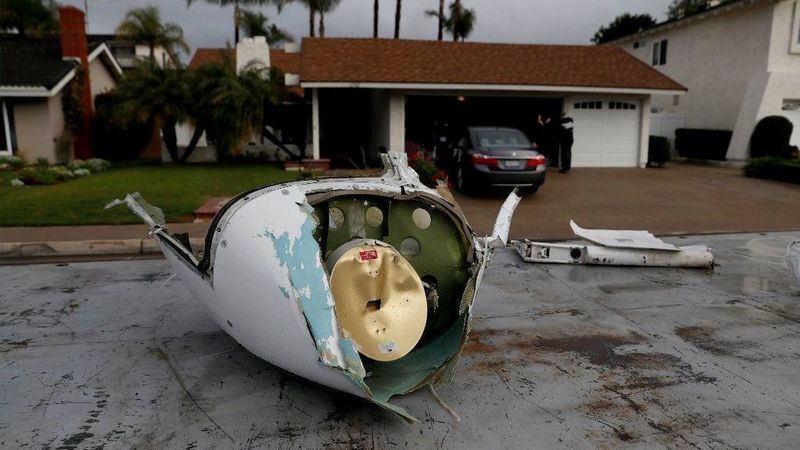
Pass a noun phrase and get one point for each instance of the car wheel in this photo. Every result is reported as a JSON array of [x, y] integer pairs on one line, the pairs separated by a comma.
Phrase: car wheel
[[461, 182]]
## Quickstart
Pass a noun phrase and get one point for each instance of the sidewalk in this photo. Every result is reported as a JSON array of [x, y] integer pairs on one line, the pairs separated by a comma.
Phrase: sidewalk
[[89, 240]]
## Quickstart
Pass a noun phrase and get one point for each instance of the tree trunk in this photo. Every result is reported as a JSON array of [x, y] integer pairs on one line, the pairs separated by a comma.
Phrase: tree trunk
[[152, 51], [236, 23], [198, 133], [321, 24], [170, 138], [375, 21], [397, 19], [312, 14], [441, 19]]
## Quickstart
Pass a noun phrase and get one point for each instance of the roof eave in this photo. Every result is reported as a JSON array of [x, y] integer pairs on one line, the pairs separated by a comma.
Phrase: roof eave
[[37, 91], [493, 87]]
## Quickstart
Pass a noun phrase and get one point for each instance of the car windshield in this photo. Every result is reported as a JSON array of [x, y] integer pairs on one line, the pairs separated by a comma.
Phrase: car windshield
[[502, 138]]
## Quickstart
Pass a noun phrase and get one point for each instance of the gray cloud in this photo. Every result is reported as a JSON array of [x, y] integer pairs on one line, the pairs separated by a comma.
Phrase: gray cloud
[[524, 21]]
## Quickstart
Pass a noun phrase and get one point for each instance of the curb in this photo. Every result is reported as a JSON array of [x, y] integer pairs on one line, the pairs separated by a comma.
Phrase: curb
[[126, 247]]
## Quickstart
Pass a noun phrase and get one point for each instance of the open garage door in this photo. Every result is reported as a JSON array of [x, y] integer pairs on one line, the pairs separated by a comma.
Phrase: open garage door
[[607, 132], [430, 116]]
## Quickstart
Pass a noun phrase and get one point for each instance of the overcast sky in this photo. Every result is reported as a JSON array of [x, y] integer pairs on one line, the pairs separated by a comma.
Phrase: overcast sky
[[525, 21]]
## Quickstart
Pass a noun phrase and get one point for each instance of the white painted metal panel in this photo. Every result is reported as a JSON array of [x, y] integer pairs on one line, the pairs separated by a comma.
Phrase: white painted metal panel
[[606, 137]]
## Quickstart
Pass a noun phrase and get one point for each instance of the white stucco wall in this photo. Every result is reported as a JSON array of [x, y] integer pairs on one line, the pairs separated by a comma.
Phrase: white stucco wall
[[38, 123], [715, 58], [100, 78], [397, 121]]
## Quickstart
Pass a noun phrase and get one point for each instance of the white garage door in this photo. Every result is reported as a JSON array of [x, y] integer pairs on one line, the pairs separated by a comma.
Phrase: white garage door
[[606, 132], [791, 110]]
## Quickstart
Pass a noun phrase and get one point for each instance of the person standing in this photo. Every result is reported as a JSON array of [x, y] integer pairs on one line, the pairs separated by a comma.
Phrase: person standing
[[565, 141]]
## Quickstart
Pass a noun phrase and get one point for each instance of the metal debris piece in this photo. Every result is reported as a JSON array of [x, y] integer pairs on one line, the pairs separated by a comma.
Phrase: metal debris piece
[[643, 249], [271, 257]]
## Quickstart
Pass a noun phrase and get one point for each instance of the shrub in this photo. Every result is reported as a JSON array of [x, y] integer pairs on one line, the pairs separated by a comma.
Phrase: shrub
[[11, 162], [97, 165], [42, 162], [659, 151], [81, 172], [45, 175], [17, 182], [774, 168], [771, 137], [698, 143], [76, 165]]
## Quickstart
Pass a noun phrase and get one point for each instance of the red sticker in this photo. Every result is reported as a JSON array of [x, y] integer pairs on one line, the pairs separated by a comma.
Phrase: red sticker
[[367, 255]]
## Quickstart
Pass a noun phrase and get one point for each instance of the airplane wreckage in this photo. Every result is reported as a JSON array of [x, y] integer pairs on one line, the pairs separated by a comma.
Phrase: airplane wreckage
[[364, 285]]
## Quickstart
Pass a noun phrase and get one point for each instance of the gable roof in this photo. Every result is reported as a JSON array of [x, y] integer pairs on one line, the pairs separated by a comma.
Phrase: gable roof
[[332, 60], [723, 7], [32, 63]]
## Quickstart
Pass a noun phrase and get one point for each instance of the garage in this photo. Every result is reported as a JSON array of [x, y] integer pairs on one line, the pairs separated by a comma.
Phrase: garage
[[607, 131], [791, 110], [420, 90]]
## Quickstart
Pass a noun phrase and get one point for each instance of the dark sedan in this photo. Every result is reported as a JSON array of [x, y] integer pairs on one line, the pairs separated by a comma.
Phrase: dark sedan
[[493, 156]]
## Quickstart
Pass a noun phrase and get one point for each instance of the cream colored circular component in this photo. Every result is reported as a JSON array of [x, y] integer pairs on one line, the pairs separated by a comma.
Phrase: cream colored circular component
[[335, 218], [410, 247], [374, 216], [421, 218], [380, 301]]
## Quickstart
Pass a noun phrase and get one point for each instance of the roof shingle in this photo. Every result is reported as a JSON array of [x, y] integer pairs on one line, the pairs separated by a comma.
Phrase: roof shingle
[[28, 62], [435, 62]]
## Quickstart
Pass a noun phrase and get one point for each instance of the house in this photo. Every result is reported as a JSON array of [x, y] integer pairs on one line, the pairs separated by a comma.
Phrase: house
[[37, 76], [127, 52], [363, 95], [740, 61]]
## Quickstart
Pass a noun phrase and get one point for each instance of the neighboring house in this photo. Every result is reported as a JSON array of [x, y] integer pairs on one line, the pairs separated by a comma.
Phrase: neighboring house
[[740, 61], [35, 74], [127, 52], [371, 94]]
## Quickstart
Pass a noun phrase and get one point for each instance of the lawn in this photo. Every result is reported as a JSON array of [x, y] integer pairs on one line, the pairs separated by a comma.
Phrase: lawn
[[177, 190]]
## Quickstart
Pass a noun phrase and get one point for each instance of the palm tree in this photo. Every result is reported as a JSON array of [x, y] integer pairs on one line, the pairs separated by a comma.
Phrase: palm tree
[[462, 21], [459, 24], [143, 25], [257, 24], [228, 105], [312, 5], [325, 6], [375, 20], [154, 93], [237, 17], [440, 16], [397, 19]]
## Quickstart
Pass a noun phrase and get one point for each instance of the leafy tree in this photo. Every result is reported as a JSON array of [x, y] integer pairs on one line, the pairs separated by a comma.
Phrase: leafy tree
[[459, 23], [623, 25], [237, 12], [154, 93], [143, 25], [682, 8], [257, 24], [28, 17]]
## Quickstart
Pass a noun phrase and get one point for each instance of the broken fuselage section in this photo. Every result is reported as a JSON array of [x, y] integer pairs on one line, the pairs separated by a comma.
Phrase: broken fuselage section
[[364, 285]]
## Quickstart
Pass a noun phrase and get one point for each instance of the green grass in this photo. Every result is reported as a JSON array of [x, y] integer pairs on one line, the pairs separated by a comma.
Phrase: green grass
[[177, 190]]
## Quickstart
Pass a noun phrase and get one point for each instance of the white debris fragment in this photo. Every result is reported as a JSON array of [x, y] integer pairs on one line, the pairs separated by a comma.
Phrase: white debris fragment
[[793, 259]]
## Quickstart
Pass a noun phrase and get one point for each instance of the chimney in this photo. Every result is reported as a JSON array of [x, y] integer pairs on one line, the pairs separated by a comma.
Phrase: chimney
[[74, 45]]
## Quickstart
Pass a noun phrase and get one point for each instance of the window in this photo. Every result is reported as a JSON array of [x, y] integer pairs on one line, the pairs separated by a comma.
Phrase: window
[[588, 105], [660, 53], [621, 105], [794, 46], [6, 128]]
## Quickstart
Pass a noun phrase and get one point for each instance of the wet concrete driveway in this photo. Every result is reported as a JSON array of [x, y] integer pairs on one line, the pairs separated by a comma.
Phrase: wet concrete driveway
[[118, 355]]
